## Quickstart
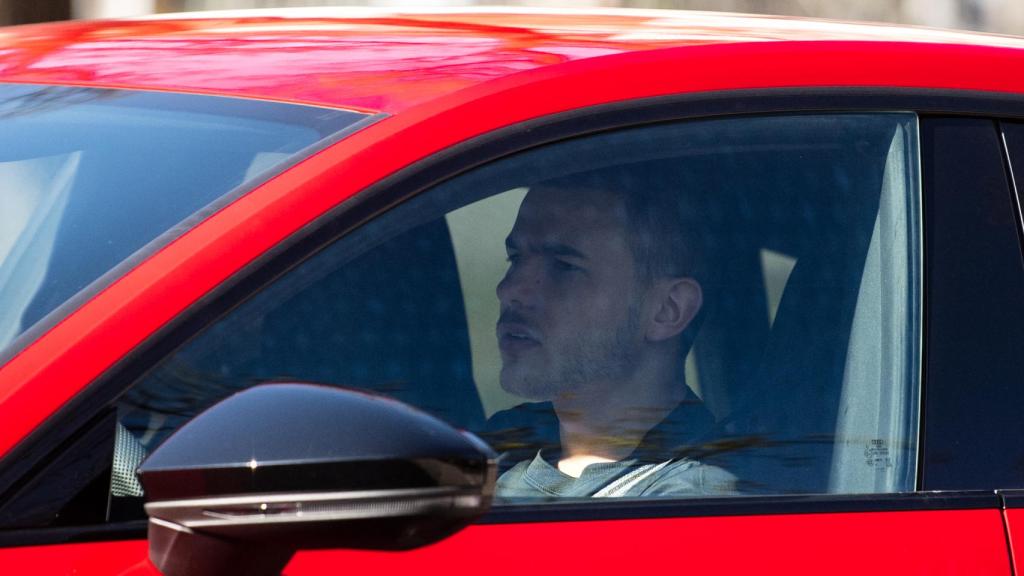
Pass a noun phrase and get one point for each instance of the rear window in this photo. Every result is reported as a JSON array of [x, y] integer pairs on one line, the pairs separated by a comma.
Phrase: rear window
[[89, 177]]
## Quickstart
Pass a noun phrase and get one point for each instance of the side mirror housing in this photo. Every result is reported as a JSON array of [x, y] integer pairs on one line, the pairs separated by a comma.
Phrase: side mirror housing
[[282, 467]]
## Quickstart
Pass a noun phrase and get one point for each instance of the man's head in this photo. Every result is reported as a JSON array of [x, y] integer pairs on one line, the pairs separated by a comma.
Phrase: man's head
[[599, 286]]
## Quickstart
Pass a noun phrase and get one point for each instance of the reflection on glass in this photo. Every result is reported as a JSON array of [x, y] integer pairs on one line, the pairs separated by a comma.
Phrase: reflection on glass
[[89, 176]]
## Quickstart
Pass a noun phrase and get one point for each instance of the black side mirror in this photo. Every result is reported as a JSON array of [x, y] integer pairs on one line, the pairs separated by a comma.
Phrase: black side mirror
[[283, 467]]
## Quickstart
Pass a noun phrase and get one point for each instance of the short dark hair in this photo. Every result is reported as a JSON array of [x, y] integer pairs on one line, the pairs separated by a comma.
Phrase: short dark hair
[[661, 224]]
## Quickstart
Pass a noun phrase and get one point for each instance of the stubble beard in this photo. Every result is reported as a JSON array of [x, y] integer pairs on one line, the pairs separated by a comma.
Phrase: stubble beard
[[579, 365]]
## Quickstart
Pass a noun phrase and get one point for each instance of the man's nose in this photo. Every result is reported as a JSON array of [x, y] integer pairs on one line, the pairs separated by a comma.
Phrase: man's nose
[[520, 284]]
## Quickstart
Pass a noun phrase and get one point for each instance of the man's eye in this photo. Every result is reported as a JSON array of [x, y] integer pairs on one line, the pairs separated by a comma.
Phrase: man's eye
[[564, 266]]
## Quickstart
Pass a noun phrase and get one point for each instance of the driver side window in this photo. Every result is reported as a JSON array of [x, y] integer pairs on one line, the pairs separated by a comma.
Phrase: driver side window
[[713, 307]]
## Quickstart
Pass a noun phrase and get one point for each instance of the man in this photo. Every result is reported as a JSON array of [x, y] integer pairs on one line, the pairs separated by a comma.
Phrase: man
[[595, 307]]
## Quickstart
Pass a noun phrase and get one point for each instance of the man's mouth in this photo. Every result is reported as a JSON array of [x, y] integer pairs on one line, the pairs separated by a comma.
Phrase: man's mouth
[[515, 332], [513, 337]]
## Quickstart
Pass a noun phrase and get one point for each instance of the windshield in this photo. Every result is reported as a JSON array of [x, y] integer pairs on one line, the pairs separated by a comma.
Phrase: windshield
[[89, 176]]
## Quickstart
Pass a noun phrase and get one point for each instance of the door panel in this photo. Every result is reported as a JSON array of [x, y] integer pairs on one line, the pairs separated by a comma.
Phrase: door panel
[[916, 542], [124, 558], [906, 543]]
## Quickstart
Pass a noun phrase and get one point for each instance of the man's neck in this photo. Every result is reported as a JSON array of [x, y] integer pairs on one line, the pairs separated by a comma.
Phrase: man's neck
[[609, 427]]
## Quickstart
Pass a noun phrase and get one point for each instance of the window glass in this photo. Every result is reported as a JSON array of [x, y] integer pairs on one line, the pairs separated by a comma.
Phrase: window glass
[[706, 308], [89, 176]]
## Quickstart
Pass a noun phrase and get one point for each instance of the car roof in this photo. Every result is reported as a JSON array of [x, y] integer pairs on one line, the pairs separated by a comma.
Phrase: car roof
[[380, 60]]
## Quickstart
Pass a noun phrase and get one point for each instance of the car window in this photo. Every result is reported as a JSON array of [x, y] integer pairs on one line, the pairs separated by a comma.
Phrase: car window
[[90, 176], [704, 308]]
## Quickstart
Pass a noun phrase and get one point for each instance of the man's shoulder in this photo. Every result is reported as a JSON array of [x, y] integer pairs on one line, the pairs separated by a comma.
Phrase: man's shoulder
[[687, 478], [683, 433]]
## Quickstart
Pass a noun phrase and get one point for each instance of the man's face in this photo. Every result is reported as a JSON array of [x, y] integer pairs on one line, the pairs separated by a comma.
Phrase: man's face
[[569, 301]]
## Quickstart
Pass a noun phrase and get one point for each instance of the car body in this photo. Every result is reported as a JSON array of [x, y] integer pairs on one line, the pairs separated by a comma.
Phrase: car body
[[434, 96]]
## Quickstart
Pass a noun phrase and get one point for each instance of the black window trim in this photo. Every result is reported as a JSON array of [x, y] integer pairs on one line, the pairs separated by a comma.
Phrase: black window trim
[[618, 509], [1012, 499], [1015, 192], [932, 336], [24, 460]]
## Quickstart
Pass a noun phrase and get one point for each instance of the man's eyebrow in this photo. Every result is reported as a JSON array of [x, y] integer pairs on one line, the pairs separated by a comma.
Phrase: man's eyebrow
[[552, 248], [558, 249]]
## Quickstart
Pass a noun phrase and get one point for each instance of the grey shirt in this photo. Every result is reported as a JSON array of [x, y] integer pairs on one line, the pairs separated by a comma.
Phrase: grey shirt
[[539, 479], [666, 463]]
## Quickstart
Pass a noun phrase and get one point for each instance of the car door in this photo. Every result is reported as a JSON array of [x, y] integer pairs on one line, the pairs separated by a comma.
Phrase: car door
[[807, 222]]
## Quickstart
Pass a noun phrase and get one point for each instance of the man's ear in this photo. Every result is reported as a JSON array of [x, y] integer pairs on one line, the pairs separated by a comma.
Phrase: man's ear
[[676, 302]]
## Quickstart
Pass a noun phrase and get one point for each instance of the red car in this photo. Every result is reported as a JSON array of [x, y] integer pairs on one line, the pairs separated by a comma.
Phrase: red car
[[505, 291]]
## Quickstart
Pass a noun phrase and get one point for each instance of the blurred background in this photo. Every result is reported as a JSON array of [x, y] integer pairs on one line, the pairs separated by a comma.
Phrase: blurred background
[[1004, 16]]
